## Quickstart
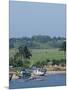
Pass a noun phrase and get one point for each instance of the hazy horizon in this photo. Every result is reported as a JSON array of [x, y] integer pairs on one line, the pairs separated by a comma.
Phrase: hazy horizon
[[38, 35], [28, 19]]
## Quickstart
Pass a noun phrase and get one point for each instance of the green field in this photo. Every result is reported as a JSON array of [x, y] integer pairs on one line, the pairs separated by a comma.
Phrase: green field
[[42, 54]]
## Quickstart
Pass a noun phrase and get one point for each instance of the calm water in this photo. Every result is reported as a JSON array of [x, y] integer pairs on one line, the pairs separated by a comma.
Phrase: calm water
[[43, 81]]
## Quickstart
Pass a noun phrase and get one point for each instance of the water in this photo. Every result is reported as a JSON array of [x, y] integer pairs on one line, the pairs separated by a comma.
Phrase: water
[[43, 81]]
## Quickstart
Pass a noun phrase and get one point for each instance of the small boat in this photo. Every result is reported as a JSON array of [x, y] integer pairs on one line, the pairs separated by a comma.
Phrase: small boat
[[38, 72]]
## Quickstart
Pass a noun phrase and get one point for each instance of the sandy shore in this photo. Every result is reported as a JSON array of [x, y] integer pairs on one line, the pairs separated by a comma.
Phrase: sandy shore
[[55, 72]]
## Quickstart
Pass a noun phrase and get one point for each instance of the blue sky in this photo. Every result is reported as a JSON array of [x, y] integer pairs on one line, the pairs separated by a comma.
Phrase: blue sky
[[28, 19]]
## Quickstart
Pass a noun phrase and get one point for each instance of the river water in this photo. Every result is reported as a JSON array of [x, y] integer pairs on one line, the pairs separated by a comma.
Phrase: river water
[[43, 81]]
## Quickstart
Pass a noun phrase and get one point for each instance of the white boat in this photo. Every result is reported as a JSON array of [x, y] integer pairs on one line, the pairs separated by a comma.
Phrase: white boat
[[38, 72]]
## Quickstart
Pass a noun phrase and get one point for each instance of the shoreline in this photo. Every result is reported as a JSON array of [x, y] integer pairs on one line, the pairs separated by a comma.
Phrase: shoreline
[[47, 73], [55, 72]]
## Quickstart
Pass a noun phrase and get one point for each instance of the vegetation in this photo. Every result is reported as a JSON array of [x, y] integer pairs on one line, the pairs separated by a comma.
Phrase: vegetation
[[43, 51], [17, 61], [40, 57], [37, 42], [63, 47]]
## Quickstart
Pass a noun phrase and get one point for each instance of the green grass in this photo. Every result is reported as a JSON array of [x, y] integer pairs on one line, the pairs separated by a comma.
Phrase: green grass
[[42, 54]]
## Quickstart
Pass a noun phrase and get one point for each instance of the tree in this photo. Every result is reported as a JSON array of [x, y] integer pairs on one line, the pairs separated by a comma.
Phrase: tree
[[24, 53], [20, 49], [15, 61], [20, 58], [63, 47]]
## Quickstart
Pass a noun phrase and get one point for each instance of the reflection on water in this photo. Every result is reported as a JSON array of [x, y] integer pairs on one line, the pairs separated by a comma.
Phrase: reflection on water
[[43, 81]]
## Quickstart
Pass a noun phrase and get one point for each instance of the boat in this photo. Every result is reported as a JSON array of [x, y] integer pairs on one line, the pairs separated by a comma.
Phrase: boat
[[38, 72], [25, 74]]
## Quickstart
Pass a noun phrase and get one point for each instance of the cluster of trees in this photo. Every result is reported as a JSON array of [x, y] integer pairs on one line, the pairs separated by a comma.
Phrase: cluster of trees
[[21, 58], [36, 41]]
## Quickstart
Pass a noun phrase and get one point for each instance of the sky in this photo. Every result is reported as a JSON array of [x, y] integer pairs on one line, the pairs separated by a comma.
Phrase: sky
[[27, 19]]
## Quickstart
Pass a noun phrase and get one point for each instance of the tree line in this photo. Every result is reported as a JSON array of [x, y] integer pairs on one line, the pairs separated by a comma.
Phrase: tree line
[[37, 41]]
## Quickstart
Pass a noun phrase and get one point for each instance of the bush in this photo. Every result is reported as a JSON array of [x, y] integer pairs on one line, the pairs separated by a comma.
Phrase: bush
[[55, 62], [40, 63], [26, 64], [59, 62], [63, 62], [15, 63], [48, 60]]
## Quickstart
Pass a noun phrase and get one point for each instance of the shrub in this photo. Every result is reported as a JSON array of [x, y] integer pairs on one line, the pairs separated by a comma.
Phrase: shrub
[[55, 62], [40, 63]]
